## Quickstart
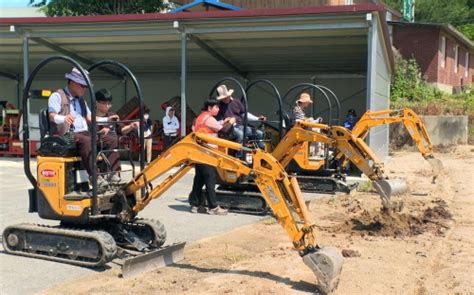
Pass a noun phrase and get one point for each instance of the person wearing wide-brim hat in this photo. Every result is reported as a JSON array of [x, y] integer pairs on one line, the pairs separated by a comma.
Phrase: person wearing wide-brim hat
[[233, 108], [297, 112], [68, 111]]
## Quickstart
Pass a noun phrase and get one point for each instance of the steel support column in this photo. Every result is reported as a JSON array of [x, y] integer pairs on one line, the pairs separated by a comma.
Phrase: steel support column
[[26, 68], [18, 90], [371, 62], [26, 57], [183, 83]]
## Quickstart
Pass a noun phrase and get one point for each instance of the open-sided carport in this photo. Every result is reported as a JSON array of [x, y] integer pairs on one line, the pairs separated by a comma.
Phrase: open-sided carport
[[345, 48]]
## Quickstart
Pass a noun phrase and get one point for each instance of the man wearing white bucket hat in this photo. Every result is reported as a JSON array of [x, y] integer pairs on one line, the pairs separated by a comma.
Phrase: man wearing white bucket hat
[[233, 108], [68, 109]]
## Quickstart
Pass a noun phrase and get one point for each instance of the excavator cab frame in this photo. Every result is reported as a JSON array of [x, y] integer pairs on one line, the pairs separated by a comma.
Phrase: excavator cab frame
[[90, 233], [303, 163]]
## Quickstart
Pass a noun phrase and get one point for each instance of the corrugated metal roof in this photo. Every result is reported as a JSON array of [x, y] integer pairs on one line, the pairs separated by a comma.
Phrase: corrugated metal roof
[[310, 40]]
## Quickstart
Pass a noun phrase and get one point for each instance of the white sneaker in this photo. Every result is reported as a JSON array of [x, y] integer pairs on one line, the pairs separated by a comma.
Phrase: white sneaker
[[101, 182], [115, 179]]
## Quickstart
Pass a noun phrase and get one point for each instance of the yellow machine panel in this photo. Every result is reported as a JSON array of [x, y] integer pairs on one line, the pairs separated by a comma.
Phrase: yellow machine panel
[[51, 182]]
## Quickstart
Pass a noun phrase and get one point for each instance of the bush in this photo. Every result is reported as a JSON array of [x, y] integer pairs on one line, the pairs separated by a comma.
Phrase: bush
[[409, 90], [408, 86]]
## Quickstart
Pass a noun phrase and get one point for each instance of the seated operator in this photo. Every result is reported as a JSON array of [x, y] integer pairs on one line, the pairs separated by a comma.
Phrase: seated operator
[[68, 110], [351, 119], [230, 107], [108, 132]]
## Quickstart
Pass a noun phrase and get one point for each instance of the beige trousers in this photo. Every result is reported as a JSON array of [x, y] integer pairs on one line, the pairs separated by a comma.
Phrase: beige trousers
[[148, 148]]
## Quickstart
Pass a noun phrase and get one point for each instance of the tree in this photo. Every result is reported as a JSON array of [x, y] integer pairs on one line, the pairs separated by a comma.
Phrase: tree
[[459, 13], [93, 7]]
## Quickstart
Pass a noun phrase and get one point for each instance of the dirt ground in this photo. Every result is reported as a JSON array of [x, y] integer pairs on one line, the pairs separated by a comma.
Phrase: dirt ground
[[425, 248]]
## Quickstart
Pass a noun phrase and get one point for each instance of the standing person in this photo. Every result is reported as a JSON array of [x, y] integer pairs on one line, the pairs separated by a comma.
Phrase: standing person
[[148, 130], [233, 108], [67, 108], [108, 132], [170, 126], [297, 112], [205, 174], [351, 119]]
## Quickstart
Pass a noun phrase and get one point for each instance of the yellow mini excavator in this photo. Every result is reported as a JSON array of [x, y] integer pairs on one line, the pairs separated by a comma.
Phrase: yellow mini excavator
[[100, 224], [238, 194], [412, 123]]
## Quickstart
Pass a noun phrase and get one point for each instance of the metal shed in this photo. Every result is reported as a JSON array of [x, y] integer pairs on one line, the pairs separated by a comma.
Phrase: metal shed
[[345, 48]]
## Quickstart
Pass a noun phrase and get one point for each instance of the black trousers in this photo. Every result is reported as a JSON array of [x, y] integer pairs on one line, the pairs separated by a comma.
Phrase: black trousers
[[205, 175], [84, 146], [168, 139]]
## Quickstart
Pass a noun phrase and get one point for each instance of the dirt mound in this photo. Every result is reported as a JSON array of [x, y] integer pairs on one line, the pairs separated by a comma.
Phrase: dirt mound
[[392, 224]]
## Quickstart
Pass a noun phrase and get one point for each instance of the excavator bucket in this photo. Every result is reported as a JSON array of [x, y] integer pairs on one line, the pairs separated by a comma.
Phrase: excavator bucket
[[436, 166], [326, 264], [388, 188], [134, 265]]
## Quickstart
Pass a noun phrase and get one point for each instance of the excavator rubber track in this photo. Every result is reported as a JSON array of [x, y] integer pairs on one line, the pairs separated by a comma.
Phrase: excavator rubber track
[[241, 201], [245, 198], [324, 184], [90, 248]]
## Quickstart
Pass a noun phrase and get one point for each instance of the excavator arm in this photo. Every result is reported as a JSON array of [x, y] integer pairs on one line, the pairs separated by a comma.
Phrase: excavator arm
[[412, 123], [355, 150], [408, 117], [280, 192]]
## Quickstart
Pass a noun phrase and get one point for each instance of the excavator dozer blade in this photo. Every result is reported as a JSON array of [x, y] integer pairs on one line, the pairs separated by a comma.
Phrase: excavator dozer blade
[[326, 264], [152, 260], [436, 166]]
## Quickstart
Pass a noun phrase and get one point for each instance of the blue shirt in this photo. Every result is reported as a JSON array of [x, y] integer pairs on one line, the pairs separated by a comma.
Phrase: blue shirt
[[54, 106]]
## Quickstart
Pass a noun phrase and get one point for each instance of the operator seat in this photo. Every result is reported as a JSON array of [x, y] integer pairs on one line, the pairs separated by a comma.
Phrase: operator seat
[[44, 122], [53, 146], [287, 121]]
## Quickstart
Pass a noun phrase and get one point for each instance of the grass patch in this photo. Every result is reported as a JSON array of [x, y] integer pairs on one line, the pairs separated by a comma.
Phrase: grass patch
[[269, 221], [365, 187], [233, 257]]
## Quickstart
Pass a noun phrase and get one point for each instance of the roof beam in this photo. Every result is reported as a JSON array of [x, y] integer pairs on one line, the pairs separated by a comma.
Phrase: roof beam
[[216, 54], [74, 56], [278, 28], [8, 75], [102, 33]]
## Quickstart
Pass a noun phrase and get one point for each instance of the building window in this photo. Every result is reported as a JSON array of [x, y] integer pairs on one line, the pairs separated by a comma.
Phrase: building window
[[466, 65], [456, 58], [443, 51]]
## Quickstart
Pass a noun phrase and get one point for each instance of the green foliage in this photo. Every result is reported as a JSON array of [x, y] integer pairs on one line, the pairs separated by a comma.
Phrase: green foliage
[[459, 13], [467, 30], [92, 7], [394, 4], [408, 86], [455, 12], [365, 186]]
